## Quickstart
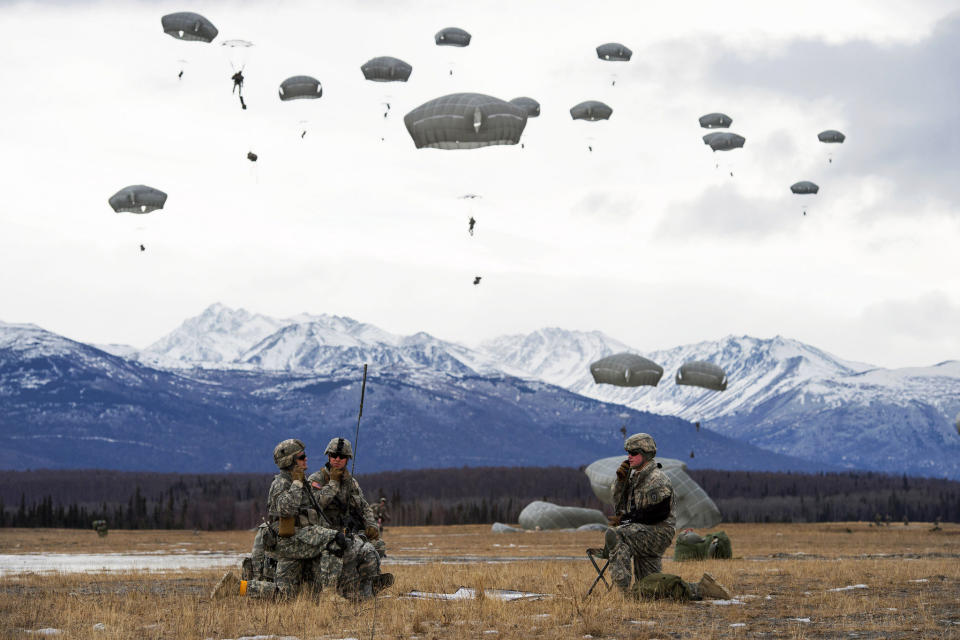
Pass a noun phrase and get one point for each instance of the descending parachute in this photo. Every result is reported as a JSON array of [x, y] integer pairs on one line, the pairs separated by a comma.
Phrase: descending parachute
[[626, 370], [831, 135], [804, 187], [465, 121], [452, 37], [546, 515], [697, 373], [188, 26], [591, 110], [693, 508], [614, 52], [300, 88], [724, 140], [531, 106], [386, 69], [715, 120], [137, 198]]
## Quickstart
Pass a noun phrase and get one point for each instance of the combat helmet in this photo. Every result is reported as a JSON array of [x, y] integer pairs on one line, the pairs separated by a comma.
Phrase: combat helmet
[[284, 452], [340, 447], [643, 442]]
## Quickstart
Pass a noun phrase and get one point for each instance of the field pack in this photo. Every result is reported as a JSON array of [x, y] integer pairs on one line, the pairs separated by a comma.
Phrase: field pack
[[692, 546]]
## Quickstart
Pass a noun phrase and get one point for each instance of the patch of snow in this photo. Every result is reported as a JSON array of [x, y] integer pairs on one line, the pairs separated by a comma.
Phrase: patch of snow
[[724, 603], [49, 631], [800, 619], [464, 593], [739, 624], [106, 562], [849, 587], [920, 580], [99, 627]]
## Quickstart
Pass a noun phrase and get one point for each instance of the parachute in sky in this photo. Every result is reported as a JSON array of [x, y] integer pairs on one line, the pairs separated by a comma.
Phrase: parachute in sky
[[804, 187], [697, 373], [465, 121], [724, 140], [591, 110], [715, 120], [614, 52], [300, 88], [137, 198], [626, 370], [547, 515], [188, 26], [692, 507], [831, 135], [531, 106], [452, 37], [386, 69]]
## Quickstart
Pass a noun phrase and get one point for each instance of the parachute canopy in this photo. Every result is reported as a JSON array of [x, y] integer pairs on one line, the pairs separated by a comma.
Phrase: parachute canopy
[[591, 110], [697, 373], [547, 515], [452, 37], [804, 187], [300, 88], [831, 135], [531, 106], [137, 198], [692, 506], [626, 370], [386, 69], [715, 120], [188, 26], [465, 121], [724, 140], [614, 52]]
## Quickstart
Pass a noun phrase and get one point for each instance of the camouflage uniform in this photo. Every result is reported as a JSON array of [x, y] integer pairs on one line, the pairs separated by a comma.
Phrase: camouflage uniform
[[345, 508], [646, 491], [381, 514]]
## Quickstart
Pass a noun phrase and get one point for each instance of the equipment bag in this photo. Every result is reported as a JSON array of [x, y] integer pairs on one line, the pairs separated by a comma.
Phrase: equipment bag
[[691, 546], [663, 585]]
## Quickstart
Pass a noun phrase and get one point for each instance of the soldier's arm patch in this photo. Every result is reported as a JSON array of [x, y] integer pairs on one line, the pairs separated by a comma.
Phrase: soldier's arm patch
[[316, 485]]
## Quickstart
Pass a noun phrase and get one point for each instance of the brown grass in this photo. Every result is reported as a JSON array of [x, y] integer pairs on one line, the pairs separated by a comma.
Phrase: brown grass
[[776, 588]]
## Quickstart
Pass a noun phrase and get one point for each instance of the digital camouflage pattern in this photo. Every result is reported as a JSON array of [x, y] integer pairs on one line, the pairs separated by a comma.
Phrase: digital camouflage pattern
[[340, 447], [284, 452], [642, 442]]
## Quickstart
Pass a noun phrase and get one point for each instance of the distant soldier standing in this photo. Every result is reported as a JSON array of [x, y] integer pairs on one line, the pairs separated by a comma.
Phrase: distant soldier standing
[[381, 514], [101, 528]]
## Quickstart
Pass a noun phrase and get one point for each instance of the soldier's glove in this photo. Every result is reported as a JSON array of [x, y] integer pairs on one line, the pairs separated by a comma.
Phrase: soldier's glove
[[337, 474], [339, 544], [623, 471], [297, 475], [613, 520], [372, 533]]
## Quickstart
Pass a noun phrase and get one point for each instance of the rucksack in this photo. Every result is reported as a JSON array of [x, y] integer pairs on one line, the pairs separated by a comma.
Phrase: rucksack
[[691, 546]]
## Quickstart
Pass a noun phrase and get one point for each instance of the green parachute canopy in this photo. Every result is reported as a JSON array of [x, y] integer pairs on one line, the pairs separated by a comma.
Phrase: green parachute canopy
[[465, 121], [804, 187], [591, 110], [626, 370], [614, 52], [300, 88], [724, 140], [531, 106], [452, 37], [697, 373], [137, 198], [547, 515], [188, 26], [692, 507], [831, 135], [386, 69], [715, 120]]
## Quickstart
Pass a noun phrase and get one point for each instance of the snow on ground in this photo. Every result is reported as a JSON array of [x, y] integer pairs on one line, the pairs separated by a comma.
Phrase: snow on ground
[[98, 562]]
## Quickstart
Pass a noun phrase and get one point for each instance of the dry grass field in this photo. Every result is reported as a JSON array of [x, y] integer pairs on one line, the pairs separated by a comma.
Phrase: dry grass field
[[788, 582]]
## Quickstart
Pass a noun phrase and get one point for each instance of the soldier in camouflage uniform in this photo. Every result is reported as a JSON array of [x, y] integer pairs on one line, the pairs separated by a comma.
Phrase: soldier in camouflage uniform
[[381, 514], [306, 547], [339, 496]]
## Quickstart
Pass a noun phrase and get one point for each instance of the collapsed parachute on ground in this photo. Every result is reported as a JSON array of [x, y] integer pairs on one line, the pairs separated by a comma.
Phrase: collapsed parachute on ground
[[452, 37], [614, 52], [188, 26], [805, 187], [137, 198], [692, 506], [626, 370], [591, 110], [531, 106], [465, 121], [831, 135], [715, 120], [723, 140], [386, 69], [697, 373], [546, 515], [300, 88]]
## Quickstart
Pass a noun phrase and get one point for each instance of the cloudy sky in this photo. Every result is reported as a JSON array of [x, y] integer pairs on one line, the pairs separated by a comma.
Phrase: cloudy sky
[[645, 238]]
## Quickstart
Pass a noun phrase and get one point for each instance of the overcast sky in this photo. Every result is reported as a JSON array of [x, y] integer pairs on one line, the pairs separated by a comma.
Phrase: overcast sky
[[644, 238]]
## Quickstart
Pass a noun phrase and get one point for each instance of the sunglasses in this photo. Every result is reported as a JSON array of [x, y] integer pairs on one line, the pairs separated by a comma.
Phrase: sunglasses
[[636, 452], [300, 457], [341, 456]]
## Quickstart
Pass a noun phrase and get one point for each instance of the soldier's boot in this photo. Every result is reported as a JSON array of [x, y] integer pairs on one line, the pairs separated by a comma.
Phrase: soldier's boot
[[229, 585], [381, 582], [365, 591], [708, 587]]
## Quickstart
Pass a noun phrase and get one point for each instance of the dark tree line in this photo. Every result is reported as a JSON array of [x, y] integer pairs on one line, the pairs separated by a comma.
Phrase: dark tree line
[[135, 500]]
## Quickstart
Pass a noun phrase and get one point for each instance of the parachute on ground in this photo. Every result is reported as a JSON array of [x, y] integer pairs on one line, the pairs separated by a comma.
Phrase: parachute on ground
[[692, 506], [386, 69], [300, 88], [702, 374], [614, 52], [715, 120], [452, 37], [804, 187], [591, 110], [188, 26], [531, 106], [831, 135], [137, 198], [547, 515], [626, 370], [465, 121], [724, 140]]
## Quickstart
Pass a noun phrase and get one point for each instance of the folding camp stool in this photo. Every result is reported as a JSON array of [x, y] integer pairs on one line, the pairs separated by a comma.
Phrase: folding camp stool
[[593, 554]]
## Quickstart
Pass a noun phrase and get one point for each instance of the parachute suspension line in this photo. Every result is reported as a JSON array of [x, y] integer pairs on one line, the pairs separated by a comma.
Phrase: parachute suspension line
[[356, 436]]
